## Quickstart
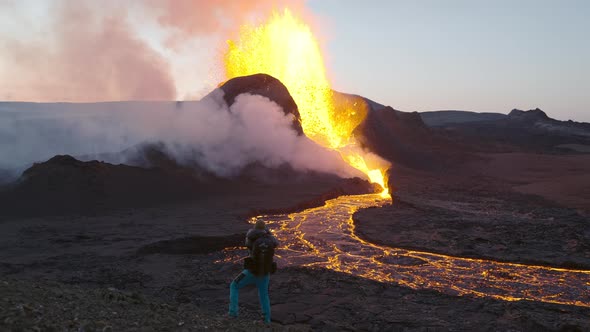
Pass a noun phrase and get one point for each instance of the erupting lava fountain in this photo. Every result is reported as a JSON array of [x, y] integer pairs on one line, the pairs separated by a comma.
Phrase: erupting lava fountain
[[285, 47]]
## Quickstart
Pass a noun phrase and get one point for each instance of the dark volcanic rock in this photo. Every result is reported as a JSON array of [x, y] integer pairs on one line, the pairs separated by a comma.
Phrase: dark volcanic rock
[[354, 186], [383, 132], [530, 115], [266, 86], [193, 245], [473, 215], [64, 184], [448, 117], [528, 131], [404, 139], [194, 298]]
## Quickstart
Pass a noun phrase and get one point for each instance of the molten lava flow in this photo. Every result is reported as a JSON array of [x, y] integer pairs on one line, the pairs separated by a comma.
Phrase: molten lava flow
[[286, 48], [326, 237]]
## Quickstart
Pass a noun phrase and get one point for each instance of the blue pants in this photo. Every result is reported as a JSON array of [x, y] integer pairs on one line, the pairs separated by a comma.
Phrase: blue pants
[[247, 278]]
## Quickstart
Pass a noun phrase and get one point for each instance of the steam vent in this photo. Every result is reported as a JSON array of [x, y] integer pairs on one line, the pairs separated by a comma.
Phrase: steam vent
[[266, 86]]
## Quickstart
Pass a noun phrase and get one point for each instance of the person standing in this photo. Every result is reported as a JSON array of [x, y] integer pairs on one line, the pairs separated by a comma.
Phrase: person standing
[[258, 267]]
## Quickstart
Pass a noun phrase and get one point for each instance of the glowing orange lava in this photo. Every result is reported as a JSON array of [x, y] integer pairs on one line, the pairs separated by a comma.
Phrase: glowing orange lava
[[326, 237], [285, 48]]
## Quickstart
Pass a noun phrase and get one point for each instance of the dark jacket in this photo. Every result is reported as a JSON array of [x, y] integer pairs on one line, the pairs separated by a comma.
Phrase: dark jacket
[[254, 234]]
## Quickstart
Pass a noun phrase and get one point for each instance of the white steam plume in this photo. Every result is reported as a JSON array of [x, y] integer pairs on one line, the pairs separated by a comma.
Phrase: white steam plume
[[254, 130], [223, 140]]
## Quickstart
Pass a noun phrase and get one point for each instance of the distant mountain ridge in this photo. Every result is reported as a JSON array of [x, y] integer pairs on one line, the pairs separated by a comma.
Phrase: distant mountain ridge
[[426, 140], [448, 117], [530, 130], [441, 118]]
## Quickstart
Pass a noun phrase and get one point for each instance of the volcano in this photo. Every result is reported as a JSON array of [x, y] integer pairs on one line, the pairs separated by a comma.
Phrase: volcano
[[152, 176], [434, 142], [266, 86]]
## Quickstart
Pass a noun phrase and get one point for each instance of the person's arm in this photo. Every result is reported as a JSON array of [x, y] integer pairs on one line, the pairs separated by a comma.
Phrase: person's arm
[[248, 242], [275, 241]]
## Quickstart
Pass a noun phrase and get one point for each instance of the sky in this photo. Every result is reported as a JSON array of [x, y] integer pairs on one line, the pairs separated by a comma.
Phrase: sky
[[483, 56]]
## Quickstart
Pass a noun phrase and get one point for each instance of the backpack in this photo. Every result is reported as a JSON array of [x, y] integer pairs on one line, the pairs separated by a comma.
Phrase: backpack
[[263, 250]]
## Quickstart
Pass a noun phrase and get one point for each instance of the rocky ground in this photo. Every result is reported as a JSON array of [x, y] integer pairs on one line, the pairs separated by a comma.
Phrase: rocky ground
[[193, 296], [50, 306], [120, 250], [163, 267], [500, 208], [140, 271], [91, 246]]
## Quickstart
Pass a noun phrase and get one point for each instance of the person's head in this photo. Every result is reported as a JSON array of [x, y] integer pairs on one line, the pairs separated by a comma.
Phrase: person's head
[[260, 225]]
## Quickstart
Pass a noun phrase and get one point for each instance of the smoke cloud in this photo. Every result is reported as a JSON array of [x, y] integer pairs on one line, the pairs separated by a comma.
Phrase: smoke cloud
[[90, 51], [253, 129], [200, 17], [85, 57], [207, 133]]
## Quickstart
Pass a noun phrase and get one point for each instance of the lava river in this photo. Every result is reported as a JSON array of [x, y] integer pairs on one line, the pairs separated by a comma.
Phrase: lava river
[[325, 237]]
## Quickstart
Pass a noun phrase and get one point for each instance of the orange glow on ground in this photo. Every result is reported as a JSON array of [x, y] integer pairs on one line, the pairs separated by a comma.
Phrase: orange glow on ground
[[326, 237]]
